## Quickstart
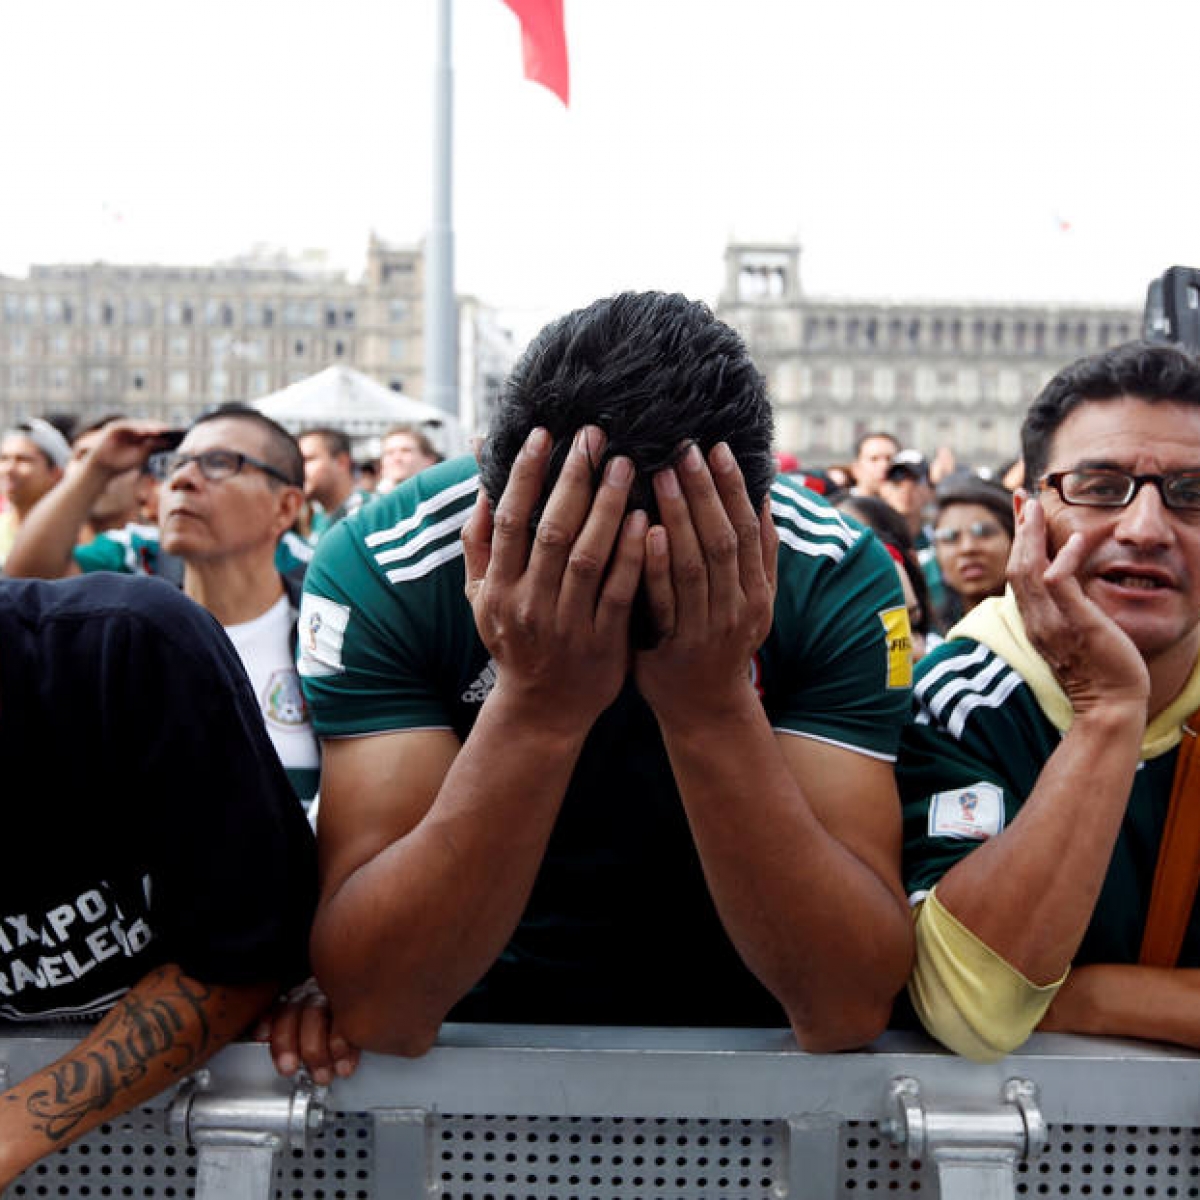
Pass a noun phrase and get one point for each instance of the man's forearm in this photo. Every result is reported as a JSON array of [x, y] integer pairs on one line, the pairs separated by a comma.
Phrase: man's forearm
[[1125, 1000], [819, 926], [43, 546], [1029, 893], [158, 1032], [410, 931]]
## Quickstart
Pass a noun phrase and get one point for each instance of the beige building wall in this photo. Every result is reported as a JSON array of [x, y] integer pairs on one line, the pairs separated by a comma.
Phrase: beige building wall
[[933, 373], [167, 342]]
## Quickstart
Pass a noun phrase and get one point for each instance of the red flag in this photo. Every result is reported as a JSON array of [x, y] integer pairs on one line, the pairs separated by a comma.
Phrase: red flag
[[544, 44]]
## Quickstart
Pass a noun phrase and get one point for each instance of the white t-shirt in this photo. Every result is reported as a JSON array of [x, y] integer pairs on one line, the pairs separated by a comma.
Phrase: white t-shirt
[[264, 646]]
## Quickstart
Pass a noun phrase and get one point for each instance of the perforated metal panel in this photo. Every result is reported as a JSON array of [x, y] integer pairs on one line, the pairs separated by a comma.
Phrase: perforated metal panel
[[1115, 1160], [871, 1164], [595, 1158], [1081, 1162], [134, 1157]]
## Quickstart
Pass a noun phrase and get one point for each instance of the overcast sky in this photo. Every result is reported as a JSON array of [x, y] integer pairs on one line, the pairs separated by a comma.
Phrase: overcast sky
[[917, 149]]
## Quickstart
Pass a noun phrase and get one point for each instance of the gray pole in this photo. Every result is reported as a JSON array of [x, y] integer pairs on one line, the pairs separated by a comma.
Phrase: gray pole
[[441, 310]]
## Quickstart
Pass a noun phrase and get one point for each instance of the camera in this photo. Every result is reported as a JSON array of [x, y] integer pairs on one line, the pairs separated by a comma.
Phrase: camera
[[1172, 312]]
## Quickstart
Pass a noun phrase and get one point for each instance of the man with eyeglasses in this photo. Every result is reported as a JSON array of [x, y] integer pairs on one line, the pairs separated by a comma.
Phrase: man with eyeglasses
[[1037, 774], [229, 495]]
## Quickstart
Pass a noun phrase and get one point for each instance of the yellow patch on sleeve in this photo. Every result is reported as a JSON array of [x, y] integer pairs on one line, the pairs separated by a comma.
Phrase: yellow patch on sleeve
[[899, 647]]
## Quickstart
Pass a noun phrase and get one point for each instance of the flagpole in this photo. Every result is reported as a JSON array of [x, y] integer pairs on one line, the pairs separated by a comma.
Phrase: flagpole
[[441, 310]]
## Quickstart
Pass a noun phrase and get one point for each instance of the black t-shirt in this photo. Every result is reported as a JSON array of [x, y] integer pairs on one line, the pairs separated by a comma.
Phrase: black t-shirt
[[146, 816]]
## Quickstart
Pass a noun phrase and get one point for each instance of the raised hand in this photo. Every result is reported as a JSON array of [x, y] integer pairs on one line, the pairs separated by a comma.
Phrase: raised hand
[[710, 581], [1092, 658], [552, 605]]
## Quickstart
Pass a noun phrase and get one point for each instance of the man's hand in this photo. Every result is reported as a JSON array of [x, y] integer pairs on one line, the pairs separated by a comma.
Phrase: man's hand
[[555, 614], [1093, 660], [302, 1031], [124, 446], [710, 580]]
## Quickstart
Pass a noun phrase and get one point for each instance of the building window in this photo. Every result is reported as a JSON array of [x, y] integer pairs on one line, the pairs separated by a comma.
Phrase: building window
[[298, 348], [397, 311], [179, 346], [396, 350], [339, 349], [139, 344], [177, 385]]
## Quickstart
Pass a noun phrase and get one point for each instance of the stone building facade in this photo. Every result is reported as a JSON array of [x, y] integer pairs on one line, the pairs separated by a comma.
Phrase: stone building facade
[[933, 373], [167, 342]]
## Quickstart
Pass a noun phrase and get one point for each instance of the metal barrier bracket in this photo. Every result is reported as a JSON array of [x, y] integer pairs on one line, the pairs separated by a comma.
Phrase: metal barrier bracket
[[238, 1137], [975, 1150]]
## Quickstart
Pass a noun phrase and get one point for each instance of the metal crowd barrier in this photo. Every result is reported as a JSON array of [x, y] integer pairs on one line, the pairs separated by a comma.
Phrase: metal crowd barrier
[[527, 1113]]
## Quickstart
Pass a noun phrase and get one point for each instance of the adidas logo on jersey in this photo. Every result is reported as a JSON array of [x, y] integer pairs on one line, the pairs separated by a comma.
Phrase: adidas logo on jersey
[[478, 692]]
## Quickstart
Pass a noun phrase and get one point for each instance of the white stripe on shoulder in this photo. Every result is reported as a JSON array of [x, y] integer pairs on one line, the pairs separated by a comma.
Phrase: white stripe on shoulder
[[964, 665], [1005, 686], [434, 504], [429, 534], [830, 538], [427, 564], [978, 683], [809, 515]]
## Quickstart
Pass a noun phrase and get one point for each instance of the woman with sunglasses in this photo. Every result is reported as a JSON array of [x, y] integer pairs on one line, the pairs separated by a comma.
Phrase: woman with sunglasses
[[972, 537]]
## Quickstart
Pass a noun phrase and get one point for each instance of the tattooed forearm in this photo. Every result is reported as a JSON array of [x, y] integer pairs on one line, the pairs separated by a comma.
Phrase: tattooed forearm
[[161, 1029]]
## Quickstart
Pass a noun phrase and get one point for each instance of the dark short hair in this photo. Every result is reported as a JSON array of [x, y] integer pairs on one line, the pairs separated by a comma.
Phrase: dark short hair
[[282, 452], [335, 441], [1145, 370], [654, 371], [971, 489]]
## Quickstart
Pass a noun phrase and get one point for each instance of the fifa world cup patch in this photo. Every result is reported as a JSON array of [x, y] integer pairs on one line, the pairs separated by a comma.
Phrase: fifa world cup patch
[[973, 813], [899, 646], [321, 631]]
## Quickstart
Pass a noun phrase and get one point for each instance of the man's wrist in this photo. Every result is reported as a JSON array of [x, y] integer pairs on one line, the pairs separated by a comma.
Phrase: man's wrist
[[563, 726], [703, 713]]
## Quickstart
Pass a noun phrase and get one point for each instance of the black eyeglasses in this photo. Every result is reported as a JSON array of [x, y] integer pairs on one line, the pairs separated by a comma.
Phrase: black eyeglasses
[[948, 535], [1102, 487], [215, 465]]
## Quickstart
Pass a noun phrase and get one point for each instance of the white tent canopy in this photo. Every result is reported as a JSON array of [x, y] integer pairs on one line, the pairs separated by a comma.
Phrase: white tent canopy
[[346, 399]]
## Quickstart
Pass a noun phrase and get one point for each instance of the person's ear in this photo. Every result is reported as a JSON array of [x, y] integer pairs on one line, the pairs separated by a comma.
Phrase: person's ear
[[291, 499]]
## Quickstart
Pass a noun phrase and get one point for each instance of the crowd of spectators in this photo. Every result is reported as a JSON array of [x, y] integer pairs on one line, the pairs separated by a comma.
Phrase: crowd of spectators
[[629, 721]]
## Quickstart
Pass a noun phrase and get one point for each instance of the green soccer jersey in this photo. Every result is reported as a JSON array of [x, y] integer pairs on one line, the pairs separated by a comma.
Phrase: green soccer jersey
[[620, 927], [136, 549], [969, 759]]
